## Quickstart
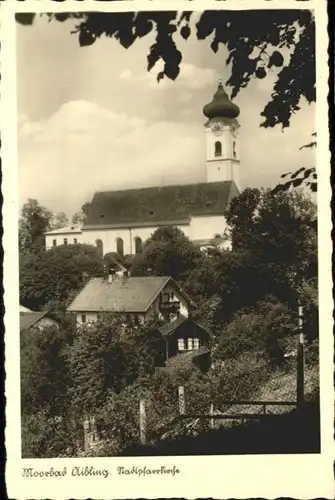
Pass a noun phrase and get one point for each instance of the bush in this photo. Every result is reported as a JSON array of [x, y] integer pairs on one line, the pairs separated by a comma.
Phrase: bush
[[44, 436]]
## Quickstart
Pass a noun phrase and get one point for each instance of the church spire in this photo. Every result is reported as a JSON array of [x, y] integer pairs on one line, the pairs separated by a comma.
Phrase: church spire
[[221, 106], [223, 161]]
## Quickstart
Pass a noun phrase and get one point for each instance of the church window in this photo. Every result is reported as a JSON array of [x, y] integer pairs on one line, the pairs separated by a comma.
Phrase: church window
[[75, 241], [83, 318], [54, 243], [65, 241], [119, 246], [234, 149], [218, 148], [138, 245], [100, 248]]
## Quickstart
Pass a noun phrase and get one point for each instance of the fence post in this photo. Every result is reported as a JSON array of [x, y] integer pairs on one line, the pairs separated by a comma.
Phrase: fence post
[[93, 430], [300, 358], [142, 422], [181, 398], [211, 412], [86, 425]]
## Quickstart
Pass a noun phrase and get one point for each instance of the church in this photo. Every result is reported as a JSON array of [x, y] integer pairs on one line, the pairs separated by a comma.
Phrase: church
[[121, 221]]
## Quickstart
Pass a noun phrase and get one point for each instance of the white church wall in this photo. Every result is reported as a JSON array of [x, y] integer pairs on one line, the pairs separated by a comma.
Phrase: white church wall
[[109, 237], [207, 226]]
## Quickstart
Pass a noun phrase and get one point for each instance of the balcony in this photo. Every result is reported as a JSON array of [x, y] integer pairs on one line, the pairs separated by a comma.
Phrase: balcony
[[169, 307]]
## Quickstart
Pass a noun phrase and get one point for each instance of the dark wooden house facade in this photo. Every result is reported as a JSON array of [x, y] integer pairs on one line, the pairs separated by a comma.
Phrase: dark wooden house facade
[[184, 335]]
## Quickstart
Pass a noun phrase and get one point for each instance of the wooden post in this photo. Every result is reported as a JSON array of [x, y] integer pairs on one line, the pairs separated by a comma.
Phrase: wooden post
[[211, 412], [300, 359], [143, 422], [86, 426], [181, 398]]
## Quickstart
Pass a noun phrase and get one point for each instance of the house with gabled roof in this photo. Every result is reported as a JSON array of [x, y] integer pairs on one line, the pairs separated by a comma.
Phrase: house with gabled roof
[[39, 319], [139, 297], [122, 220]]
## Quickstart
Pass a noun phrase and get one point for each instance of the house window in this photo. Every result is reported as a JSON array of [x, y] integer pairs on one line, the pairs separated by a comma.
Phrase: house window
[[193, 344], [119, 246], [100, 248], [65, 241], [54, 243], [218, 148], [234, 149], [196, 344], [165, 297], [138, 245], [75, 241], [83, 318], [181, 344]]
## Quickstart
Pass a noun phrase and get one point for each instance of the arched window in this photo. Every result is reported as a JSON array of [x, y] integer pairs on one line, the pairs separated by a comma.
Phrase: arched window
[[138, 245], [218, 148], [100, 248], [119, 246], [234, 149]]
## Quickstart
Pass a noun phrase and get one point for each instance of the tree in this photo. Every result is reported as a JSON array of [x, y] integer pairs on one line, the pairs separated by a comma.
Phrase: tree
[[168, 252], [79, 217], [267, 328], [59, 220], [33, 223], [274, 253], [43, 370], [281, 232], [57, 273], [109, 355]]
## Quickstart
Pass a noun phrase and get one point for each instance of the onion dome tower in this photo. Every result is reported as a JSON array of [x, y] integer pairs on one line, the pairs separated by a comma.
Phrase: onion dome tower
[[222, 144]]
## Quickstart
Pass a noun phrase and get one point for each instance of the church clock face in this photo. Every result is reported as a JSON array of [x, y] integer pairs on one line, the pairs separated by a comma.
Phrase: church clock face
[[217, 128]]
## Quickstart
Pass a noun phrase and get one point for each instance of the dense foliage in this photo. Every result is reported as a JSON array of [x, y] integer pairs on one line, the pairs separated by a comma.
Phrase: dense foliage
[[57, 273], [168, 252]]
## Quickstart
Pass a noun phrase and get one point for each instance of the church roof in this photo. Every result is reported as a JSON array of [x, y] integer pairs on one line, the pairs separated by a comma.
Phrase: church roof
[[221, 106], [131, 295], [154, 206]]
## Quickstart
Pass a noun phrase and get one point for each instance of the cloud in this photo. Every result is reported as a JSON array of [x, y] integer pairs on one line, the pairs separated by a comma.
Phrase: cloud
[[191, 77], [83, 148]]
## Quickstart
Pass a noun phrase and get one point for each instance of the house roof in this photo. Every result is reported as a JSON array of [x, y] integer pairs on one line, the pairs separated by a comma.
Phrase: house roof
[[159, 205], [65, 230], [24, 309], [171, 327], [29, 319], [130, 295]]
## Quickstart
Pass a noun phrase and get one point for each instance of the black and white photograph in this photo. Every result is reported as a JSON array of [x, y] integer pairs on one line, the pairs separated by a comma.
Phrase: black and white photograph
[[167, 236]]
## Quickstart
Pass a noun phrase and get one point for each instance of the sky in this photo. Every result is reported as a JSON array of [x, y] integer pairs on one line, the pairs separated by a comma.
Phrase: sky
[[92, 118]]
